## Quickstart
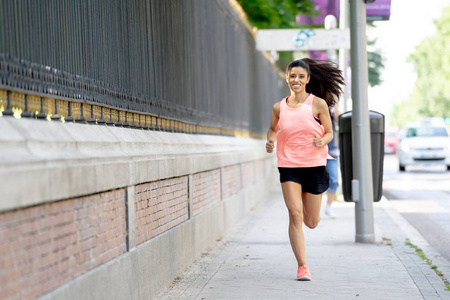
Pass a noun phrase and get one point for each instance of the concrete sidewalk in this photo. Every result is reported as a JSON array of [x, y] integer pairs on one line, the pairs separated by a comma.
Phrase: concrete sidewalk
[[255, 261]]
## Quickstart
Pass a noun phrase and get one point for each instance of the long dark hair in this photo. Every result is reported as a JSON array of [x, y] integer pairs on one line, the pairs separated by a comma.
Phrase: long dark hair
[[326, 78]]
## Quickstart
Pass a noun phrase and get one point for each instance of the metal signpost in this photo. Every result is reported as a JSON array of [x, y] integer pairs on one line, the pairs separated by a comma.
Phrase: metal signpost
[[362, 185]]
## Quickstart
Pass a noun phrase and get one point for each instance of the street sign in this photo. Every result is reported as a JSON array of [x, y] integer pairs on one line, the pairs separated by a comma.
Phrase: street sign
[[380, 10], [302, 39]]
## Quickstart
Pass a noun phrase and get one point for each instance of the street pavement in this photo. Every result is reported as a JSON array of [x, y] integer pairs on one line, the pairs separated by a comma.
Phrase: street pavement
[[254, 260]]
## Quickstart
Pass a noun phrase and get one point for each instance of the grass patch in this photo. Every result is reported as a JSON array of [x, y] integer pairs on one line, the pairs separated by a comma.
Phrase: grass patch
[[429, 262], [387, 241]]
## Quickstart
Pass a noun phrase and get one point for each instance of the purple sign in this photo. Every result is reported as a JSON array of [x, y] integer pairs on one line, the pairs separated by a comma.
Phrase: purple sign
[[378, 10]]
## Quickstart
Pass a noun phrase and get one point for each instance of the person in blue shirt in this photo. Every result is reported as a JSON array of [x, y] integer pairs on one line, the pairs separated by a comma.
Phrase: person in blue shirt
[[333, 166]]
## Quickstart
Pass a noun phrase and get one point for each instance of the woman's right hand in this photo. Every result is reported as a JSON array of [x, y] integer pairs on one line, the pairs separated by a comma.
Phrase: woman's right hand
[[270, 145]]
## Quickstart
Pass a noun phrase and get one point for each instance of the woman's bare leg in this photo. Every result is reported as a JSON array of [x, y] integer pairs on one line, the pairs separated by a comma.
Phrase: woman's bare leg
[[311, 209], [292, 193], [302, 208]]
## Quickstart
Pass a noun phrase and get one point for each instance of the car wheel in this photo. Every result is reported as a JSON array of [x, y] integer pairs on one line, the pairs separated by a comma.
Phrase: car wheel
[[401, 168], [448, 168]]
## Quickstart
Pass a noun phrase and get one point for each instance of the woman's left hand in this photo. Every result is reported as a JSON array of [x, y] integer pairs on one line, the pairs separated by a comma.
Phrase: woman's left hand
[[318, 141]]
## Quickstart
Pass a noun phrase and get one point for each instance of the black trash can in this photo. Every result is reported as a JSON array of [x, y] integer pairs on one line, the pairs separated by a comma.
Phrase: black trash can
[[346, 158]]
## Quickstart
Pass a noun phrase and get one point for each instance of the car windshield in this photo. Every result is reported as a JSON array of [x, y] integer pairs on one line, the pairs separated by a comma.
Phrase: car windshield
[[426, 132]]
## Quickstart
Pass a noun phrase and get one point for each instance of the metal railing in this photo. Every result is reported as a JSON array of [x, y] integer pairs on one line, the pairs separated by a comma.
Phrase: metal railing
[[180, 65]]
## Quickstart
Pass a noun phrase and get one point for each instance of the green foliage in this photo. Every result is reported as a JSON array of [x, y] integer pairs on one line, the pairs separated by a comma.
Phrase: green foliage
[[387, 241], [403, 112], [429, 262], [431, 60], [276, 14], [375, 62], [271, 14]]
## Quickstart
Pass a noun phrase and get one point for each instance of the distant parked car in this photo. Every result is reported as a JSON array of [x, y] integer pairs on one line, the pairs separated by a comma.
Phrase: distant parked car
[[424, 143], [390, 142]]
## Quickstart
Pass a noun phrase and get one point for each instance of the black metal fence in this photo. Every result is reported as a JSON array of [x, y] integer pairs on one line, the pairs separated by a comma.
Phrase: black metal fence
[[132, 62]]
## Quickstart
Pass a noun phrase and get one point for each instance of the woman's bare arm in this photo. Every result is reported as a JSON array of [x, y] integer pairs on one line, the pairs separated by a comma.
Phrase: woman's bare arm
[[273, 129], [320, 109]]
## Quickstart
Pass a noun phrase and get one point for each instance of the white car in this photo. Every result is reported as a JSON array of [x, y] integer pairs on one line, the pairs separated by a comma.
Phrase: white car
[[424, 144]]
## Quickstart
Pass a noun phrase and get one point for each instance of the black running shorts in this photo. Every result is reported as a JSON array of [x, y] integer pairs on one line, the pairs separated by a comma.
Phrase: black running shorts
[[314, 180]]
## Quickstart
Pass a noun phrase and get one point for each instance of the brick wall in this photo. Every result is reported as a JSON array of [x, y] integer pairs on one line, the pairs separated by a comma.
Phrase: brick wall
[[269, 168], [231, 180], [47, 245], [259, 170], [205, 190], [160, 206], [248, 173]]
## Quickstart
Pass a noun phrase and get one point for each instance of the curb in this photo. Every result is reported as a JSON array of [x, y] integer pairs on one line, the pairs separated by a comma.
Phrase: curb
[[418, 240]]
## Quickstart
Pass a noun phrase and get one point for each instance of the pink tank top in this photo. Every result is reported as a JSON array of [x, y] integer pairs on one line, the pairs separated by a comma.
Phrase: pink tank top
[[298, 127]]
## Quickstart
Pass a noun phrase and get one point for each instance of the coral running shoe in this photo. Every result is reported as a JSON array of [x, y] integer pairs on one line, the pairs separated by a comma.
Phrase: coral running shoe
[[303, 273]]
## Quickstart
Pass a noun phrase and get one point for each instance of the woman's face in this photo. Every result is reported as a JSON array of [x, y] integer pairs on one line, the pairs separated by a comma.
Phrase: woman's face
[[297, 79]]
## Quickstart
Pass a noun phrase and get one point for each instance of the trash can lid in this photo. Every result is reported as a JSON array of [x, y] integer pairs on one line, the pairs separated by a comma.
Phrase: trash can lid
[[376, 120]]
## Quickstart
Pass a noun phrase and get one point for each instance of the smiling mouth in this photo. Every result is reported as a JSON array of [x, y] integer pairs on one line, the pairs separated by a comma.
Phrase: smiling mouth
[[296, 86]]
